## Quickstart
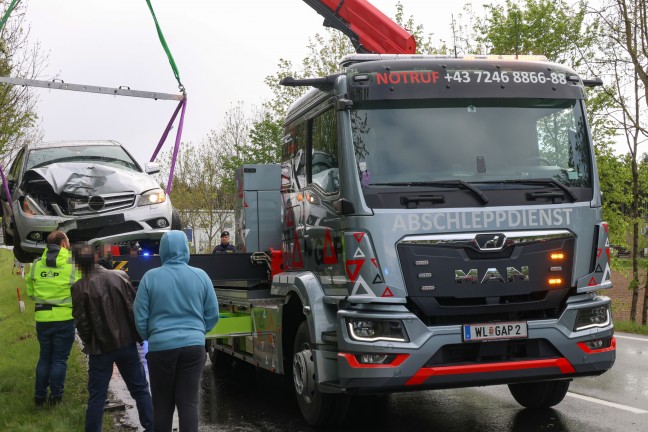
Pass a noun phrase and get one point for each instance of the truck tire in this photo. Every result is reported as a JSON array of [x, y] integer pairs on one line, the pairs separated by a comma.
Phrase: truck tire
[[539, 394], [318, 409]]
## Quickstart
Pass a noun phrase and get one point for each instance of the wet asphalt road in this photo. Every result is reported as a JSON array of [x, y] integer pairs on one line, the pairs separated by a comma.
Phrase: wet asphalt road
[[241, 400]]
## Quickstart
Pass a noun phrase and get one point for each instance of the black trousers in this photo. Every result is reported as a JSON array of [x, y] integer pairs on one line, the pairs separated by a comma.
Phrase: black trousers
[[174, 377]]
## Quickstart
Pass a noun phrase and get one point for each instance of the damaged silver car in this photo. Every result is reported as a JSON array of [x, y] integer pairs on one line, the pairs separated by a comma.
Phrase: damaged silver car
[[95, 191]]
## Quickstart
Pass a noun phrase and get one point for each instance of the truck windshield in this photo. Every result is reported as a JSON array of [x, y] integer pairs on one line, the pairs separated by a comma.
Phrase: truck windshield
[[471, 140]]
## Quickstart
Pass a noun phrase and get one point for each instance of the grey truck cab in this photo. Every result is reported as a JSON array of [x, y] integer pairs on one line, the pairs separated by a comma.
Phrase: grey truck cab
[[441, 223]]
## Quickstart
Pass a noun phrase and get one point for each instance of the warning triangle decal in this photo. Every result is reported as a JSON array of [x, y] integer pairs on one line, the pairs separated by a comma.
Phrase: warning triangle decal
[[361, 288], [598, 269], [245, 204], [387, 293], [592, 282], [358, 254], [608, 273], [605, 227], [378, 279], [245, 232], [598, 252], [353, 268], [358, 236], [330, 257], [607, 251], [375, 263]]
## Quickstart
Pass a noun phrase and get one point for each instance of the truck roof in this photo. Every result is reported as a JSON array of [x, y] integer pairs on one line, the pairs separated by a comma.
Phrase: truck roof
[[375, 77]]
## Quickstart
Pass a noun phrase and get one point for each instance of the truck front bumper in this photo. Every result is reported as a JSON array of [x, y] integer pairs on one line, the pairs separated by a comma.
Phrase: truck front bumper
[[435, 357]]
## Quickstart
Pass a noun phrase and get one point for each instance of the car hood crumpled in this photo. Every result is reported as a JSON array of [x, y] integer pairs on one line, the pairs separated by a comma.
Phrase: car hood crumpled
[[90, 179]]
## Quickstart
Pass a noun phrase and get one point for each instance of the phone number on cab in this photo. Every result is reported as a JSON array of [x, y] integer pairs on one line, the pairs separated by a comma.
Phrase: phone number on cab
[[516, 77]]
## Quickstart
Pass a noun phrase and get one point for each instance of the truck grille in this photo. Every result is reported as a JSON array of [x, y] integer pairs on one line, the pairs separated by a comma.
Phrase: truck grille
[[471, 278]]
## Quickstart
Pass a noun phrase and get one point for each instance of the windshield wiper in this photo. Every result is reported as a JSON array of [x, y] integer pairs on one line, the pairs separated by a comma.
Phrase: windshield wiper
[[541, 181], [441, 183]]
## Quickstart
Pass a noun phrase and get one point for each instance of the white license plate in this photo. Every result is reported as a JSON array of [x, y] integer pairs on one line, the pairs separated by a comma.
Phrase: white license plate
[[494, 331]]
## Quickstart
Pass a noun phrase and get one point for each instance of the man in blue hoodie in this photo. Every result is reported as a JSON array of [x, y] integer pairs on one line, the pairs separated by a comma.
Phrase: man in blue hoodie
[[175, 306]]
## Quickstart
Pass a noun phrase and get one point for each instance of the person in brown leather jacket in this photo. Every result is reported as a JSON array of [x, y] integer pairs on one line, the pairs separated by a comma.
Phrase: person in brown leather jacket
[[102, 307]]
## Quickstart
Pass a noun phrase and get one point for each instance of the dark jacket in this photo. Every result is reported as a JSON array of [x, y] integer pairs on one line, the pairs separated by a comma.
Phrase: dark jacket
[[102, 306], [228, 248]]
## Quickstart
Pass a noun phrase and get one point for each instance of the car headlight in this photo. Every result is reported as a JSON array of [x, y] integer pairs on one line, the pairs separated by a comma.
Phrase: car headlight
[[371, 330], [31, 208], [154, 196]]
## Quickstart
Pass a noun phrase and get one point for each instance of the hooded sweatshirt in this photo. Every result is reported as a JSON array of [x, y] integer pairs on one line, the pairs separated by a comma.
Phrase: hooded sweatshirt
[[175, 304]]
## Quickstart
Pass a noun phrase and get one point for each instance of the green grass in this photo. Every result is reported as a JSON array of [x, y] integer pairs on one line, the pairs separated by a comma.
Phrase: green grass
[[18, 356], [630, 327]]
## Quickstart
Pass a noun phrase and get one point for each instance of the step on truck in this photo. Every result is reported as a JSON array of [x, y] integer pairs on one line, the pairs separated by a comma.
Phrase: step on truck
[[435, 223]]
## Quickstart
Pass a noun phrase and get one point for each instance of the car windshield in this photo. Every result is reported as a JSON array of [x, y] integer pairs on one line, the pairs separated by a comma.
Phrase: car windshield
[[103, 154], [471, 140]]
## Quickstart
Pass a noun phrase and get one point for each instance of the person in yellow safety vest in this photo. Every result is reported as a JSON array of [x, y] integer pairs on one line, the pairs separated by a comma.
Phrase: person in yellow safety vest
[[48, 284]]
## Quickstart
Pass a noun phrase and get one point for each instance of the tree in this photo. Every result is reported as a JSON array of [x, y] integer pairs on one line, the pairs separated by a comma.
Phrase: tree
[[18, 58], [623, 59]]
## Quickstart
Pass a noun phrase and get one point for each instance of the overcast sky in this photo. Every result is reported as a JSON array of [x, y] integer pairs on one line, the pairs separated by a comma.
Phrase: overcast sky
[[223, 50]]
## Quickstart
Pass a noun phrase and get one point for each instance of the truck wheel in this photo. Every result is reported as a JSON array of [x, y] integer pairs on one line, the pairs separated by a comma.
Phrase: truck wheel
[[318, 409], [539, 394]]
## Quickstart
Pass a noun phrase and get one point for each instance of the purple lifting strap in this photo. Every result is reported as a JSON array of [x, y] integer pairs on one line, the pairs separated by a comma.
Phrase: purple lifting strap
[[183, 104], [177, 145]]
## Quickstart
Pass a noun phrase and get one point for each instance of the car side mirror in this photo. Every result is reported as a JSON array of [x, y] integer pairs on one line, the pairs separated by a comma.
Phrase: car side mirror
[[151, 168]]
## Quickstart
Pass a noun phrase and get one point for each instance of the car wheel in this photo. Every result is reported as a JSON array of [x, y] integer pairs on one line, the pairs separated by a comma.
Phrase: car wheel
[[8, 238], [176, 223], [20, 254]]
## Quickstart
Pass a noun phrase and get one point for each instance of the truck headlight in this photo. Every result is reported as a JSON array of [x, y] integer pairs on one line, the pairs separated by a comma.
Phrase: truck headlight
[[154, 196], [598, 316], [372, 330]]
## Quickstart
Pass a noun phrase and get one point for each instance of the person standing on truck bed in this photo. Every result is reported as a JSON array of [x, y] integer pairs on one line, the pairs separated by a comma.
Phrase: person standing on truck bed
[[224, 246], [102, 306], [48, 284], [175, 306]]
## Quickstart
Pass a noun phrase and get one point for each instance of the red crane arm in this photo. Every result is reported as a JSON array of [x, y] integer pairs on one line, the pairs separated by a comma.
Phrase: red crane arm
[[369, 29]]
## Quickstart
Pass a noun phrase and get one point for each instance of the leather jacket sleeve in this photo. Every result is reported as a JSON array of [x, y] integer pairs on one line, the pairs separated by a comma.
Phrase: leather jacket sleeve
[[80, 313]]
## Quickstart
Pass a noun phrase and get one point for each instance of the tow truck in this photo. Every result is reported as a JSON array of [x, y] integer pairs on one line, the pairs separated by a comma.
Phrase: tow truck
[[435, 222]]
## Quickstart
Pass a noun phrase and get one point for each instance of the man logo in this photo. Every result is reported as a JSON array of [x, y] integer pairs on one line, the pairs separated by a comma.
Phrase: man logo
[[490, 242], [492, 275]]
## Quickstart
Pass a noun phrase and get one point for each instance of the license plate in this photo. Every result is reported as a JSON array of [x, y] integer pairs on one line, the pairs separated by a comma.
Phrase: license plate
[[494, 331]]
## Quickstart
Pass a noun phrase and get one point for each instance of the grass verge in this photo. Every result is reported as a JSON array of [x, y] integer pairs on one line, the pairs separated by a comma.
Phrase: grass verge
[[18, 356], [630, 327]]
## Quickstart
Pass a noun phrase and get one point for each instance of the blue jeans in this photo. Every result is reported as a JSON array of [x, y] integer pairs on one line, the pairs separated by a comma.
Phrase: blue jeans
[[55, 339], [100, 372]]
